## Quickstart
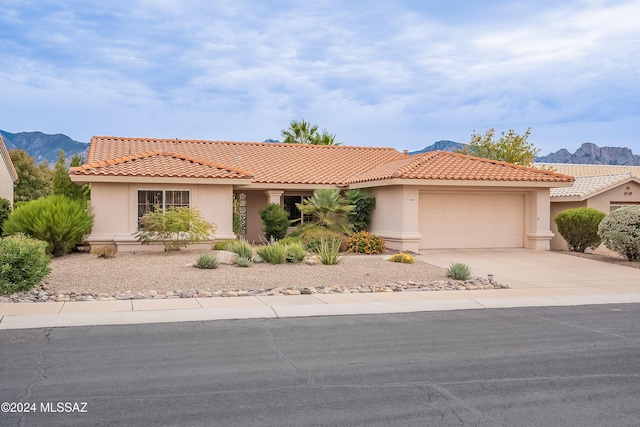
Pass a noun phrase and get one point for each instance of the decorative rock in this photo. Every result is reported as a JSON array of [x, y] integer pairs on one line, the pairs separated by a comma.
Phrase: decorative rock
[[204, 294], [312, 260], [186, 294], [226, 257], [229, 294], [258, 259], [292, 292]]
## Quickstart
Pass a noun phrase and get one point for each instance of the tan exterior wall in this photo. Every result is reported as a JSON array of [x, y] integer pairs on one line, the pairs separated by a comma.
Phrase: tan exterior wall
[[396, 217], [602, 201], [115, 208], [6, 183]]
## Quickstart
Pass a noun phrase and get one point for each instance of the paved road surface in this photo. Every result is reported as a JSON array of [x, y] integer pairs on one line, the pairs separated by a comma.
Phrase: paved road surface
[[571, 366]]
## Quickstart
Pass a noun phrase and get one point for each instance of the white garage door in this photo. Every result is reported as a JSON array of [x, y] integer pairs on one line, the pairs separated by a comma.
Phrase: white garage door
[[471, 220]]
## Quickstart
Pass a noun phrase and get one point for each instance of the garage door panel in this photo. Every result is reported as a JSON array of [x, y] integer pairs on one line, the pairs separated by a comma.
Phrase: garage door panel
[[471, 220]]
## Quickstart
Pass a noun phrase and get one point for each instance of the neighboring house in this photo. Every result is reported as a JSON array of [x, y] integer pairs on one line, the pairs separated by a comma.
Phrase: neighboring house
[[601, 187], [8, 175], [432, 200]]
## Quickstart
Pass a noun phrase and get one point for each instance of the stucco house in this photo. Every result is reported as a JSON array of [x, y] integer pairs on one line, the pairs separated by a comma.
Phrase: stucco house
[[8, 175], [602, 187], [432, 200]]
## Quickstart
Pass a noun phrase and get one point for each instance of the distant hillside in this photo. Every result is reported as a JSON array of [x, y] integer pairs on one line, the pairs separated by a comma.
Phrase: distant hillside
[[589, 153], [443, 145], [44, 147]]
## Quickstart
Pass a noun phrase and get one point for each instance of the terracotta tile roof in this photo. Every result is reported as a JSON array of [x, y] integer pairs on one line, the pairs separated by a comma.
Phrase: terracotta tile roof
[[276, 163], [589, 186], [590, 170], [160, 164], [4, 153], [442, 165], [267, 162]]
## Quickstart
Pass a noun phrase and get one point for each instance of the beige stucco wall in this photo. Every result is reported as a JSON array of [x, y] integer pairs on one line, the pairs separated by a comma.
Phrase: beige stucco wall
[[395, 217], [6, 183], [115, 208], [601, 202]]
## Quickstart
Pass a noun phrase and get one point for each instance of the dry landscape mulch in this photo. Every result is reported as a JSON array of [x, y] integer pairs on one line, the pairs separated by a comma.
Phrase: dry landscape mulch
[[610, 257]]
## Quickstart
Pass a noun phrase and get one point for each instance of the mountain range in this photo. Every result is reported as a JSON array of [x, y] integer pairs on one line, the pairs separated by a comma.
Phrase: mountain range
[[45, 147], [588, 153]]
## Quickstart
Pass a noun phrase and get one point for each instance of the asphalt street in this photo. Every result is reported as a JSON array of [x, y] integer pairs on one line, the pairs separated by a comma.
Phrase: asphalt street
[[549, 366]]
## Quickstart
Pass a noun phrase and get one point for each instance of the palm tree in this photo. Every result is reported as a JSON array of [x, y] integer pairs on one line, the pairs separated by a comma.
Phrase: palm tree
[[329, 209], [303, 132]]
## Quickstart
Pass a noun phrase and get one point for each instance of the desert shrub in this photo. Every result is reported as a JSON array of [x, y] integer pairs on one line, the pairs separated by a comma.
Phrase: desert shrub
[[364, 242], [290, 239], [458, 271], [312, 236], [174, 227], [57, 220], [104, 251], [275, 221], [24, 262], [243, 262], [620, 232], [579, 227], [5, 210], [239, 246], [404, 258], [329, 250], [360, 216], [206, 261], [273, 254], [219, 246], [294, 252]]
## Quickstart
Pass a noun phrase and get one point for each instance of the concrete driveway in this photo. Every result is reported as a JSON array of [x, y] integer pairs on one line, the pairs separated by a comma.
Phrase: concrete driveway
[[542, 272]]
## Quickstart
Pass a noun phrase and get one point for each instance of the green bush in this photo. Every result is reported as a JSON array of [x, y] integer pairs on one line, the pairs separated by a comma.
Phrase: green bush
[[458, 271], [579, 227], [403, 258], [273, 254], [174, 227], [620, 232], [289, 239], [60, 222], [239, 246], [364, 242], [329, 249], [294, 252], [275, 221], [360, 216], [220, 246], [206, 261], [312, 236], [243, 262], [5, 211], [23, 263]]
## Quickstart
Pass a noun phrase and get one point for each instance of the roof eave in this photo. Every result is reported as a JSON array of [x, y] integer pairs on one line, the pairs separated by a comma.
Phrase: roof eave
[[88, 179]]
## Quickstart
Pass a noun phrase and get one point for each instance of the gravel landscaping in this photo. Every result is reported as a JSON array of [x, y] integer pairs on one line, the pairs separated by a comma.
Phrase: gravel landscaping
[[165, 275]]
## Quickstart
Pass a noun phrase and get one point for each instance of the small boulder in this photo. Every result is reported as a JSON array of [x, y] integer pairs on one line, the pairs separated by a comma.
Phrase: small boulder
[[227, 258]]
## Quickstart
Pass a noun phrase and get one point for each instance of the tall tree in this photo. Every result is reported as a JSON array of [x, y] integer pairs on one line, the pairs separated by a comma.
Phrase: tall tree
[[510, 147], [34, 181], [62, 184], [303, 132]]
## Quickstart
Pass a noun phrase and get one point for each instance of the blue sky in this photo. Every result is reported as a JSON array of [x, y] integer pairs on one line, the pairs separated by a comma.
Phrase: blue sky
[[402, 73]]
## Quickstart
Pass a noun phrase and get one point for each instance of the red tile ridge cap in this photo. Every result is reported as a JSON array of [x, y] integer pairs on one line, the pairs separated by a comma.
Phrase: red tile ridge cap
[[268, 144]]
